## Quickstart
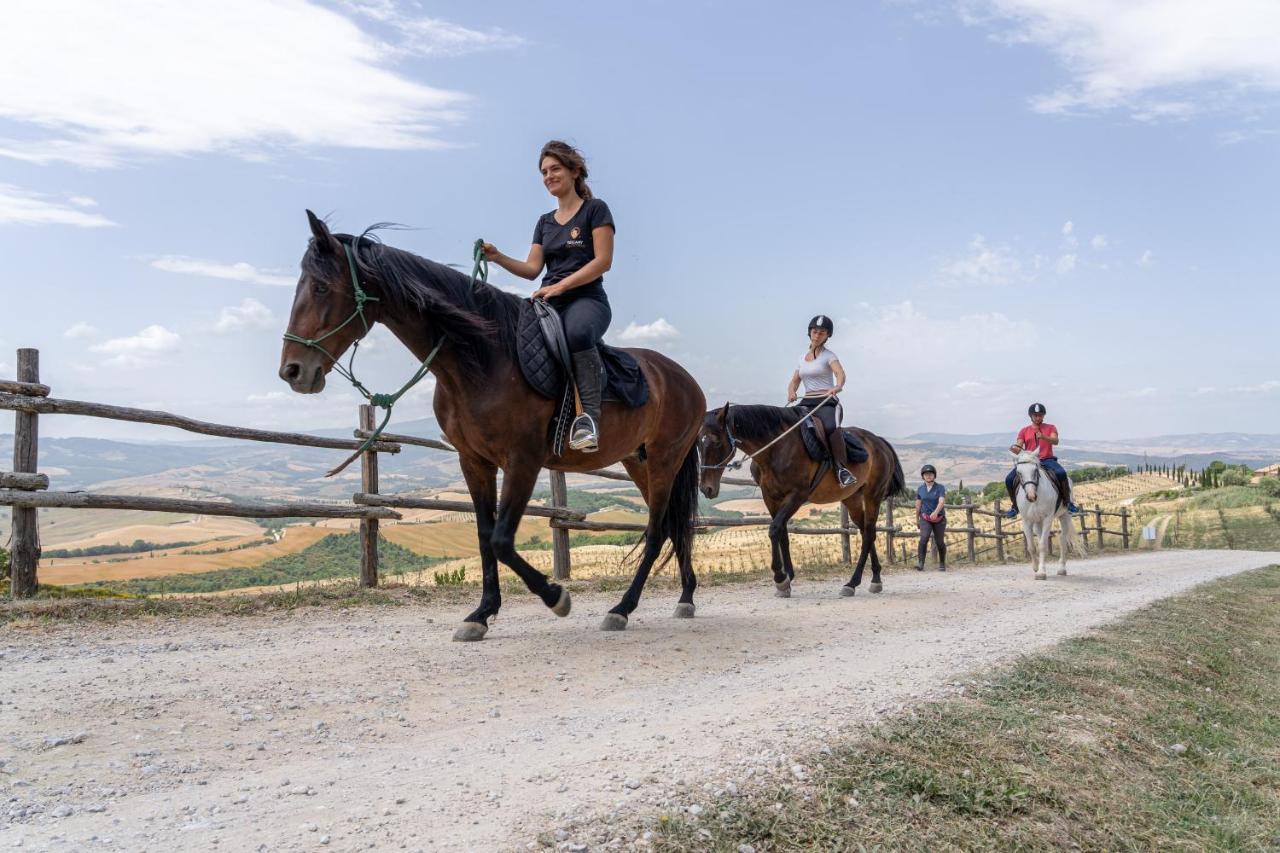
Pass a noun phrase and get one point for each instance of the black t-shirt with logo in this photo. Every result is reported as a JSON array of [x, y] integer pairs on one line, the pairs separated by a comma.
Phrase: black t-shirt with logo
[[568, 248]]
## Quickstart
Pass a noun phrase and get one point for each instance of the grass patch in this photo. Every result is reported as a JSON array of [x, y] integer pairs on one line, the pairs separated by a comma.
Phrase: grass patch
[[1071, 749]]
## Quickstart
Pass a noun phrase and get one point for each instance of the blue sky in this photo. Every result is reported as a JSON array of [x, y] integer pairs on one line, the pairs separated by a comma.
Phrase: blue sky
[[999, 201]]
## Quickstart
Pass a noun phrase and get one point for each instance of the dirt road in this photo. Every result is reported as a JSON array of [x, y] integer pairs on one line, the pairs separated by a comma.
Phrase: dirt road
[[369, 729]]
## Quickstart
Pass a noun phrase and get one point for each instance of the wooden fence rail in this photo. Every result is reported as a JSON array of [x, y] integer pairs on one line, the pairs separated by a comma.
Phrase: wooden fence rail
[[26, 491]]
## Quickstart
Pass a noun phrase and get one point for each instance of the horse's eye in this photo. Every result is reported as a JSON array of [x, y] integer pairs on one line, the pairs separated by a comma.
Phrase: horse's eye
[[320, 288]]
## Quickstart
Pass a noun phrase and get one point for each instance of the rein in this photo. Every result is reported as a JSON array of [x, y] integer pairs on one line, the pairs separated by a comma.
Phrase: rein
[[382, 401], [727, 464]]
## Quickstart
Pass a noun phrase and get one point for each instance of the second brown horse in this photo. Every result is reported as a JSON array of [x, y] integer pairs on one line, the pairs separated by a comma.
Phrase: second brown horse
[[789, 479]]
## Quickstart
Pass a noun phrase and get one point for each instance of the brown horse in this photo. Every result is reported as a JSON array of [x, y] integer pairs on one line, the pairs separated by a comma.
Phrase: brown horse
[[489, 412], [789, 479]]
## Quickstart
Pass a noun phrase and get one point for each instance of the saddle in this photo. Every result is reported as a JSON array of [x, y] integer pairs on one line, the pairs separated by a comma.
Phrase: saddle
[[815, 444], [543, 353]]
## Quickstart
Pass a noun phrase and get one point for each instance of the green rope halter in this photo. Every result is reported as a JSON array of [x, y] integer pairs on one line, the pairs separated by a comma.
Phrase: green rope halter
[[381, 401]]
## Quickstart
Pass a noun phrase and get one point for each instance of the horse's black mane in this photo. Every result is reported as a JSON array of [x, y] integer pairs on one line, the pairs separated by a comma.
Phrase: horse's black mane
[[478, 320], [761, 423]]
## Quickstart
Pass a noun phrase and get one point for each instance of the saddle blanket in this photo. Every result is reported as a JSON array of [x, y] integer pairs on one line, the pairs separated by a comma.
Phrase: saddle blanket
[[818, 450], [624, 383]]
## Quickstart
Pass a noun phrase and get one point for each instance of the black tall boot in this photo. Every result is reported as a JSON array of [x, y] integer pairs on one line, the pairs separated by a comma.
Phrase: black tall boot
[[588, 372], [839, 454]]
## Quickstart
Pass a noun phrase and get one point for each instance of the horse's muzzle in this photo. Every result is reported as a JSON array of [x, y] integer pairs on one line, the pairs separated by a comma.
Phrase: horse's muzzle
[[302, 380]]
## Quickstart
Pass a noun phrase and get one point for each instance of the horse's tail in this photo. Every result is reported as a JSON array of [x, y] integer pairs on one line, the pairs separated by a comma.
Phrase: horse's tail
[[1070, 540], [897, 481], [682, 508]]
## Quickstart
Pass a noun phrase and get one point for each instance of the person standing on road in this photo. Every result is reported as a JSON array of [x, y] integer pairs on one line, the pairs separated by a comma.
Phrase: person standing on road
[[931, 515]]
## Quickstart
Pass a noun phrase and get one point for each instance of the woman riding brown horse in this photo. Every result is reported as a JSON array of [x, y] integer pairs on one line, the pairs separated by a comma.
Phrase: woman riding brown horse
[[789, 478], [487, 409]]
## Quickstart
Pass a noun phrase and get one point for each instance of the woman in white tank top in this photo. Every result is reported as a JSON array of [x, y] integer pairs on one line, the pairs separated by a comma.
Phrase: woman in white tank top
[[822, 376]]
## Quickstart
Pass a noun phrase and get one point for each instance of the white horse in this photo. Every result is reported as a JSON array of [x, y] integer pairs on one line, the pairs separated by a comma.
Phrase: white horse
[[1038, 506]]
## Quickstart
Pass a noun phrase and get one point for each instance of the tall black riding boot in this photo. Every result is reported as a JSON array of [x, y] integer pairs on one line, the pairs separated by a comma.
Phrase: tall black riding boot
[[588, 372], [839, 454]]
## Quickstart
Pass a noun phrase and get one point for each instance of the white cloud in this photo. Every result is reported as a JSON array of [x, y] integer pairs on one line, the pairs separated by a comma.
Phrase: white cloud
[[1066, 263], [80, 330], [1268, 387], [983, 265], [884, 329], [22, 207], [239, 271], [82, 201], [242, 77], [1068, 228], [425, 36], [658, 330], [1147, 259], [139, 350], [1099, 242], [1158, 59], [249, 314], [1142, 392]]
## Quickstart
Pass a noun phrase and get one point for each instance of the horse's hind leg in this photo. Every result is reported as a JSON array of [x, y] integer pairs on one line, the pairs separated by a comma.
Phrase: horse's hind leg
[[639, 473]]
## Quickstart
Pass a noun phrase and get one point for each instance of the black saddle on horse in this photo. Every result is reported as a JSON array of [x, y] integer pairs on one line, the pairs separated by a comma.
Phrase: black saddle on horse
[[816, 445], [544, 359]]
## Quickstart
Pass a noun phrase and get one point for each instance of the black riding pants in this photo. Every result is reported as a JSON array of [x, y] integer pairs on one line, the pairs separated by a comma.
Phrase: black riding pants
[[585, 319]]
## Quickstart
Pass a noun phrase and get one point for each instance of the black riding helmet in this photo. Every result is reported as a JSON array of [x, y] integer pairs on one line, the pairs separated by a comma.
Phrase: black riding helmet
[[822, 321], [928, 469], [1036, 409]]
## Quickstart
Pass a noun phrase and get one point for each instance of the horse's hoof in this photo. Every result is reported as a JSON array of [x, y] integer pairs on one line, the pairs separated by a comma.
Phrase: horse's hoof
[[562, 606], [1041, 576], [470, 632], [1062, 571], [684, 610], [783, 589], [614, 622], [847, 591], [876, 587]]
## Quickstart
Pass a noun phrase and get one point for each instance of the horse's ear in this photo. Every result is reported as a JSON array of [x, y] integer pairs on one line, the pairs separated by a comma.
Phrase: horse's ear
[[324, 239], [722, 417]]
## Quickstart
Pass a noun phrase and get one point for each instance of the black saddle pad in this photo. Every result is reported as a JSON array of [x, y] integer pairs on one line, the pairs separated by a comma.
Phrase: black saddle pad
[[624, 383], [818, 451]]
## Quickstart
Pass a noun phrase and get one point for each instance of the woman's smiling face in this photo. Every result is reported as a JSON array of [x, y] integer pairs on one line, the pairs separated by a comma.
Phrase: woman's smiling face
[[818, 337], [556, 177]]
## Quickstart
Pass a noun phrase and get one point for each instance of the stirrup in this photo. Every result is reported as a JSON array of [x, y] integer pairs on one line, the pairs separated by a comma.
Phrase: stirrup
[[845, 477], [1011, 513], [583, 435]]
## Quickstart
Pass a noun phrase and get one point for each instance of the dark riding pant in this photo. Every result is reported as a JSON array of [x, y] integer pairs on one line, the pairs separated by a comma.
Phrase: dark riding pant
[[585, 319], [936, 529], [826, 415]]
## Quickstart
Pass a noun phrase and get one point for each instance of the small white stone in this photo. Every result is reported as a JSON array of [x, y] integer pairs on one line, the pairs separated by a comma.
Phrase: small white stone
[[1178, 749]]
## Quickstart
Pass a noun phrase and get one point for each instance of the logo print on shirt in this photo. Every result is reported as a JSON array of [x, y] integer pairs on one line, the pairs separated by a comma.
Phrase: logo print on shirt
[[574, 232]]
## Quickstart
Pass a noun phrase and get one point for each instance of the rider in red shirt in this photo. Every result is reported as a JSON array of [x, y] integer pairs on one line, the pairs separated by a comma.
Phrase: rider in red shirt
[[1038, 437]]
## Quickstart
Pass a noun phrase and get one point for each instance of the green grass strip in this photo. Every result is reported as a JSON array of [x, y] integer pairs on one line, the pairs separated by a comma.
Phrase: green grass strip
[[1158, 732]]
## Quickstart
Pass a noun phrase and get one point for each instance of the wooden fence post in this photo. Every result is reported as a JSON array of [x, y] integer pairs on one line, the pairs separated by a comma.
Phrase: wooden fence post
[[972, 534], [1124, 526], [888, 523], [25, 556], [1084, 528], [846, 556], [999, 534], [1097, 515], [559, 537], [368, 526]]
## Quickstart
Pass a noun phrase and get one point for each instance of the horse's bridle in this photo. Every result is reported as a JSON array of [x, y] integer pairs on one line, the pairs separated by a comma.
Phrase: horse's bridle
[[382, 401], [1035, 481], [728, 462]]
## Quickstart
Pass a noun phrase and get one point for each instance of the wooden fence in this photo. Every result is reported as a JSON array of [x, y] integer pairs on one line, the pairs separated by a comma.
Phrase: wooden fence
[[26, 490]]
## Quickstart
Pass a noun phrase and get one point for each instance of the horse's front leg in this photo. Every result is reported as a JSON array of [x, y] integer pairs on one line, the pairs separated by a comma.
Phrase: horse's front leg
[[518, 480], [782, 541], [482, 483], [1042, 550]]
